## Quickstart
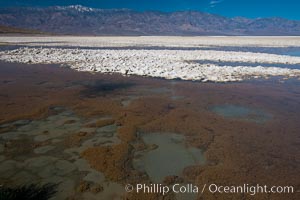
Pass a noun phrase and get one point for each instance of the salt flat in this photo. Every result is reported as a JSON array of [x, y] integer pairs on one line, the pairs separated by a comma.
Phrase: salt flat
[[157, 62], [89, 41]]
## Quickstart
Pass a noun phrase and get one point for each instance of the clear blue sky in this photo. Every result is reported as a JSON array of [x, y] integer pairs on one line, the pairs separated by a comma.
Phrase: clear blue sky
[[246, 8]]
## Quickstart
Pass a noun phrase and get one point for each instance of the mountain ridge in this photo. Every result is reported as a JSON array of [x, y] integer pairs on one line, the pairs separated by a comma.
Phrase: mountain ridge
[[80, 20]]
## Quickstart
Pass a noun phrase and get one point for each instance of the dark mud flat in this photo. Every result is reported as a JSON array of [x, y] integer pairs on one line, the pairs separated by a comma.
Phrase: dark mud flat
[[78, 133]]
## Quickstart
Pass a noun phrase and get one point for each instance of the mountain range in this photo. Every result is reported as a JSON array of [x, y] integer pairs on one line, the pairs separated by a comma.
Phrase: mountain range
[[79, 20]]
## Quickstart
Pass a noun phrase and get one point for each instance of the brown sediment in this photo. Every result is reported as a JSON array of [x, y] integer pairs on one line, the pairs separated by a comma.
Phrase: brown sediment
[[83, 186], [170, 180], [7, 129], [69, 121], [111, 161], [76, 139], [96, 189], [40, 144], [100, 123], [236, 151], [16, 147]]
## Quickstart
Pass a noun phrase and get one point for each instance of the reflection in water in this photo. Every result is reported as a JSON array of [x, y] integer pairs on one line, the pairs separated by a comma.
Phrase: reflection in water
[[98, 87], [167, 155], [242, 113]]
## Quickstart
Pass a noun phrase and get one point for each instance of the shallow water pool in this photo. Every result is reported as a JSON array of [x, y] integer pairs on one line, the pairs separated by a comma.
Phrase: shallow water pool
[[242, 113], [167, 155]]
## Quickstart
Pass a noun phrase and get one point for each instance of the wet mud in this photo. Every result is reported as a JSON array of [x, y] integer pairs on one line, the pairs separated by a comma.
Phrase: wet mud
[[85, 131]]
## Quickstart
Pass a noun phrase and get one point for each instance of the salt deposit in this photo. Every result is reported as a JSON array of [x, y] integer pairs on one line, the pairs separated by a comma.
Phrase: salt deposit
[[167, 41], [169, 64]]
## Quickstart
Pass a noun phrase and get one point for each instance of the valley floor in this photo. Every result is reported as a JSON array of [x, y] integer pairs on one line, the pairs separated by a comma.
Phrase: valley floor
[[215, 59], [70, 118]]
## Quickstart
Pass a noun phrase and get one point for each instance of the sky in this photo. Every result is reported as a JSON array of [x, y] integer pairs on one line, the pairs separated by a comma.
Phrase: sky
[[289, 9]]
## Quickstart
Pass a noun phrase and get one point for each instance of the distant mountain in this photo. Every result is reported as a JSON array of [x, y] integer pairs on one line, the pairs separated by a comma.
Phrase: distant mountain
[[79, 20]]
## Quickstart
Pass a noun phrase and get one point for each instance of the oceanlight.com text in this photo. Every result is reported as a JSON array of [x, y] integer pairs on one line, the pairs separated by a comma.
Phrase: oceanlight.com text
[[212, 188]]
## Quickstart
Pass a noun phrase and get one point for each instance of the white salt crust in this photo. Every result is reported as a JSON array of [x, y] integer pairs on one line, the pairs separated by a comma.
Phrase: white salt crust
[[169, 64]]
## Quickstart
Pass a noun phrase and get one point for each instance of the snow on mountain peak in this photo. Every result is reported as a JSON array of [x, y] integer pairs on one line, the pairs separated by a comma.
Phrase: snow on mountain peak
[[78, 8]]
